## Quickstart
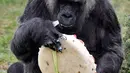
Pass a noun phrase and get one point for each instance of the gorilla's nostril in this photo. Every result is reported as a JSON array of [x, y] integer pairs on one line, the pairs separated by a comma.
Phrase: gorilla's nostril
[[67, 15]]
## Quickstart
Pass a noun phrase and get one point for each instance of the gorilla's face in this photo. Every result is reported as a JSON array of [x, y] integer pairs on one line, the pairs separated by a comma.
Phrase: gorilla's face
[[70, 13]]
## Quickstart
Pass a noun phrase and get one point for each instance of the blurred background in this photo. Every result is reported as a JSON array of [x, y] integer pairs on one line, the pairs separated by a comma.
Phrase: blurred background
[[10, 10]]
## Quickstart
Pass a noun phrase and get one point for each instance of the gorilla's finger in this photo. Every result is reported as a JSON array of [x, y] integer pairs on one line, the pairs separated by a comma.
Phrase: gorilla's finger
[[56, 43], [56, 33]]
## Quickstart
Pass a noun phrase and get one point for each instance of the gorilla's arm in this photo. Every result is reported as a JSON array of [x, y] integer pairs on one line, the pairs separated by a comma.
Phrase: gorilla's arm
[[111, 43], [111, 60], [30, 36], [22, 45], [35, 26], [102, 37]]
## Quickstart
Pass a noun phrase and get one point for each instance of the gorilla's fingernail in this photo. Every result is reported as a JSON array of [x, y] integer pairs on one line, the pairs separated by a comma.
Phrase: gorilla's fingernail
[[60, 49], [57, 40], [55, 23]]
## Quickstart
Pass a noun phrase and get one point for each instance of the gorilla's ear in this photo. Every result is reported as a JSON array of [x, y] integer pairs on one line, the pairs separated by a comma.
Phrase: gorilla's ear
[[51, 4]]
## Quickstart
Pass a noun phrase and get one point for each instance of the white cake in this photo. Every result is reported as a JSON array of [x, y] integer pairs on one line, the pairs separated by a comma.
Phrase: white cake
[[74, 58]]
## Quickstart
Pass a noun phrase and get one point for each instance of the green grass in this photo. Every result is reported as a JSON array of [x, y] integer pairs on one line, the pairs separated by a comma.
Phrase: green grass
[[10, 10], [123, 13]]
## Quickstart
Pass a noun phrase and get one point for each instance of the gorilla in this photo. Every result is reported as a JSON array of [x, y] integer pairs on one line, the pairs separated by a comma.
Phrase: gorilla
[[93, 21], [16, 68]]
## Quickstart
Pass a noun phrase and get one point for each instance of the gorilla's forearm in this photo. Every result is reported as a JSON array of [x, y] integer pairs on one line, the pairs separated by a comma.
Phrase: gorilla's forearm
[[111, 60], [18, 46], [30, 36], [109, 63], [22, 44]]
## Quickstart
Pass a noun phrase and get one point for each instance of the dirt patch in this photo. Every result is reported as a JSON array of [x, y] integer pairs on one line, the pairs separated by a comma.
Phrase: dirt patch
[[4, 67]]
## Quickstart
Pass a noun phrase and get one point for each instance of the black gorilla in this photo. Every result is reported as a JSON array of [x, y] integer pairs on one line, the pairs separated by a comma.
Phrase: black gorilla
[[16, 68], [93, 21]]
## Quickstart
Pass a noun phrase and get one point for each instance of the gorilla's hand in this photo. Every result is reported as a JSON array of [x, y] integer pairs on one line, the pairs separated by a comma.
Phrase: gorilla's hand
[[44, 33]]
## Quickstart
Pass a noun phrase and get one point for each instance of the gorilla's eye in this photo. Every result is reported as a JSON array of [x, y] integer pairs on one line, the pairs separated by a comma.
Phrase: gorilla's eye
[[77, 3], [71, 3]]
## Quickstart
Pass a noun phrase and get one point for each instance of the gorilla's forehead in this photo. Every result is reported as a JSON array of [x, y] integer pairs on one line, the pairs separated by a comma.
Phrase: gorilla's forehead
[[74, 0], [52, 3]]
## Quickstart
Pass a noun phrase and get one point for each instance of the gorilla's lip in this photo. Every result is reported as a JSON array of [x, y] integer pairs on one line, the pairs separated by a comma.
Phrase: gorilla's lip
[[62, 24], [65, 30], [57, 23]]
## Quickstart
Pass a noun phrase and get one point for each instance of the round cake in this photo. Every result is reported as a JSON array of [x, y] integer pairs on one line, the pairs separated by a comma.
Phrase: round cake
[[74, 58]]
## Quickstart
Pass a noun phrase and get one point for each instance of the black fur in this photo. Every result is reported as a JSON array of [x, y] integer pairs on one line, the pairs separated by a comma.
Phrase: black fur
[[93, 21], [16, 68]]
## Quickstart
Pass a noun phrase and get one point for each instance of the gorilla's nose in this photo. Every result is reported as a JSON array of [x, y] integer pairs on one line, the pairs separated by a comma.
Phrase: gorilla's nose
[[67, 19], [67, 15]]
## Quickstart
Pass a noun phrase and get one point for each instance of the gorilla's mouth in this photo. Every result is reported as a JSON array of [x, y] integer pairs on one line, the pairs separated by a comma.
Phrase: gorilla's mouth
[[63, 28]]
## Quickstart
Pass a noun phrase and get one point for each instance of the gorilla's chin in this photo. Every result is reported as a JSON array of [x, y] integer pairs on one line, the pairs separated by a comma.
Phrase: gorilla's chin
[[66, 29]]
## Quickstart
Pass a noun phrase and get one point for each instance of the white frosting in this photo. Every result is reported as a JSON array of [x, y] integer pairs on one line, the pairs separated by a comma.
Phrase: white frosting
[[55, 23]]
